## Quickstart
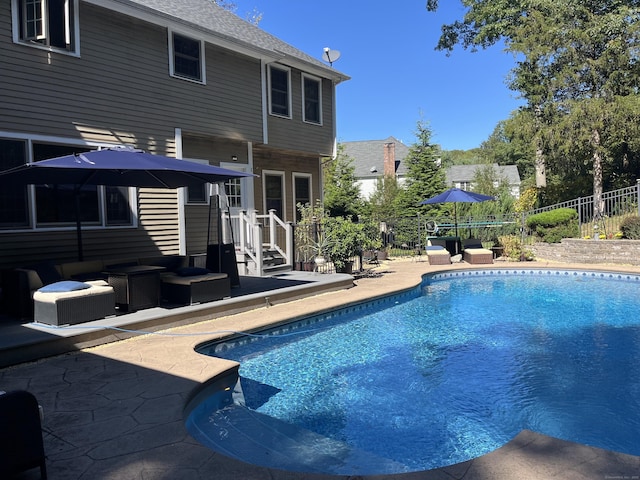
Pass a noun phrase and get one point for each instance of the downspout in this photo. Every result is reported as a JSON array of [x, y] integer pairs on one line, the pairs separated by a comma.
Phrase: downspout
[[265, 103], [182, 244]]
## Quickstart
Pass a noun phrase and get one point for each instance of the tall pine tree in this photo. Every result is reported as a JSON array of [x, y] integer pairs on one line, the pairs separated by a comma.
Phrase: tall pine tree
[[425, 178]]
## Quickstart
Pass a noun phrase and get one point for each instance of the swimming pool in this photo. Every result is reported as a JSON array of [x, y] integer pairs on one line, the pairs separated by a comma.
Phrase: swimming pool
[[441, 374]]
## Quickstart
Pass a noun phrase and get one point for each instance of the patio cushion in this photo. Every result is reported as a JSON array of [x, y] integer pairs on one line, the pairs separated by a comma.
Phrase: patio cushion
[[47, 272], [64, 286], [192, 271]]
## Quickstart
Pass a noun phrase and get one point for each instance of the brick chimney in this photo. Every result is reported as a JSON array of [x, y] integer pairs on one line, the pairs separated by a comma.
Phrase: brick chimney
[[390, 159]]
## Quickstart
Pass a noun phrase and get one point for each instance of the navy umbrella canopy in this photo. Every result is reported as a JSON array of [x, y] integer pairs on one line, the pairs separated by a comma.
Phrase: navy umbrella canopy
[[118, 167], [455, 195]]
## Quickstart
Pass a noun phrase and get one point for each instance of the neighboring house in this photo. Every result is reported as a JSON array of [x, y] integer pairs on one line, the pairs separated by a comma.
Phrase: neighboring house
[[183, 78], [373, 159], [461, 176]]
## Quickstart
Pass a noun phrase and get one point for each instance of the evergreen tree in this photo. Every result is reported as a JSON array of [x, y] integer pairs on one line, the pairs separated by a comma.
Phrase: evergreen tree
[[341, 190], [383, 203], [425, 177]]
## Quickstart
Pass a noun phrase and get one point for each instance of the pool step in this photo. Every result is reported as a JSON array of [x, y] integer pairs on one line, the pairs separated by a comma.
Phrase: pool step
[[252, 437]]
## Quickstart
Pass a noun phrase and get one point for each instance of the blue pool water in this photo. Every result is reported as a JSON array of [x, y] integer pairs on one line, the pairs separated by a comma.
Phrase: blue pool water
[[445, 373]]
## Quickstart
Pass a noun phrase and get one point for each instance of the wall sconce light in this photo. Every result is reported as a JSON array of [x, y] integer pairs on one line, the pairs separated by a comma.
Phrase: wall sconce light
[[234, 158]]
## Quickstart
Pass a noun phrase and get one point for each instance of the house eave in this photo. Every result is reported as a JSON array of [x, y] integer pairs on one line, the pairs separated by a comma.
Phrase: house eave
[[162, 19]]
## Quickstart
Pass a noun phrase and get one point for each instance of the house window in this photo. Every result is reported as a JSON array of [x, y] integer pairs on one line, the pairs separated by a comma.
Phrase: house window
[[233, 190], [197, 193], [55, 205], [301, 191], [280, 93], [187, 59], [274, 193], [47, 23], [312, 99], [14, 207]]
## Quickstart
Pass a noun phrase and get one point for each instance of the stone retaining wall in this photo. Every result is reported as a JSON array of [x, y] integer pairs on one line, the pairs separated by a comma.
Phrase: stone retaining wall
[[574, 250]]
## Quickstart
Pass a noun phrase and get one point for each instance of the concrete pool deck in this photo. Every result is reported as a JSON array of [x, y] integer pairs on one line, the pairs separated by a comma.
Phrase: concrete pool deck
[[116, 411]]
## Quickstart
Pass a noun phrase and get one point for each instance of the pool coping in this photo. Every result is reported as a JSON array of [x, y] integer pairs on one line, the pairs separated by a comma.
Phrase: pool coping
[[117, 411]]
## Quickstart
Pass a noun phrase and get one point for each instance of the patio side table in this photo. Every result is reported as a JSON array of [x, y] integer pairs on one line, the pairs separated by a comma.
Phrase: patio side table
[[136, 287]]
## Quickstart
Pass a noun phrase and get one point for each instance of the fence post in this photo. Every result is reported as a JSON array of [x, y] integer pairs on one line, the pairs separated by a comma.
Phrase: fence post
[[638, 194], [580, 214]]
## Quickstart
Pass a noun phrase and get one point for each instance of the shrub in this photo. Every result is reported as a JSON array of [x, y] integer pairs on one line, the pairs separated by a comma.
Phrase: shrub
[[554, 225], [630, 227], [513, 248]]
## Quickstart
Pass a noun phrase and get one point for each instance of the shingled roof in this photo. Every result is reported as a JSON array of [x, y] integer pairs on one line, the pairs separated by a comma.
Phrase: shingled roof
[[465, 173], [369, 154], [206, 17]]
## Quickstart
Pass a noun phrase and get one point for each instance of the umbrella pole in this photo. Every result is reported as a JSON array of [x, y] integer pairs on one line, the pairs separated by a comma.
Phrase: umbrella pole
[[76, 194], [455, 216]]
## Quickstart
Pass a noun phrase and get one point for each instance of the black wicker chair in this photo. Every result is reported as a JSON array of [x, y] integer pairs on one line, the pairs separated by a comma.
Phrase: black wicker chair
[[21, 445]]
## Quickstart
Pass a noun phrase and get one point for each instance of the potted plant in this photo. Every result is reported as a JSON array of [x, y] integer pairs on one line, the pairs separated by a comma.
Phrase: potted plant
[[345, 240], [310, 241], [372, 245]]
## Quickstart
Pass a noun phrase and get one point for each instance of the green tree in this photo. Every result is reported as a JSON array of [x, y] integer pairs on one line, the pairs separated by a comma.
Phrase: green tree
[[577, 66], [383, 202], [424, 178], [341, 190]]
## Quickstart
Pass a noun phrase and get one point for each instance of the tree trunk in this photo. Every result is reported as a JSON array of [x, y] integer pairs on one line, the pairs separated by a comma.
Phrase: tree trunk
[[598, 204]]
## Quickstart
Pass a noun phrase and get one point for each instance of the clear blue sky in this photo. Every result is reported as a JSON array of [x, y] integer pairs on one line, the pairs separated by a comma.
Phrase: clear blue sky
[[397, 78]]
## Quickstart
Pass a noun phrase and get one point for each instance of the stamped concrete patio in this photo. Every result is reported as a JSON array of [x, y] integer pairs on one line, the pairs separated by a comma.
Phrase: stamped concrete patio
[[116, 411]]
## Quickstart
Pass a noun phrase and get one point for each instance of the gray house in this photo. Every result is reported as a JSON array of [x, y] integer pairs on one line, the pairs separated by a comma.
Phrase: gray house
[[461, 176], [182, 78], [373, 159]]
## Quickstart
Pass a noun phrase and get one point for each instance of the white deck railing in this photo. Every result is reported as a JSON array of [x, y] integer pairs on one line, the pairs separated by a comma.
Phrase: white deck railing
[[249, 232]]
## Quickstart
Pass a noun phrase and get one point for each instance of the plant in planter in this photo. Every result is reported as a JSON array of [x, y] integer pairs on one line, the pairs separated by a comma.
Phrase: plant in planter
[[373, 241], [310, 241], [345, 240]]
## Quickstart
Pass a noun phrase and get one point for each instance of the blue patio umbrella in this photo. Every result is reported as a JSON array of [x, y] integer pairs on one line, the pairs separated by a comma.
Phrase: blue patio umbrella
[[456, 195], [116, 166]]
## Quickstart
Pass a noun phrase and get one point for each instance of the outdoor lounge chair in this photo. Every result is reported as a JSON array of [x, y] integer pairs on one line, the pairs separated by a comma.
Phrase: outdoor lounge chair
[[471, 243], [21, 445], [474, 253], [438, 255]]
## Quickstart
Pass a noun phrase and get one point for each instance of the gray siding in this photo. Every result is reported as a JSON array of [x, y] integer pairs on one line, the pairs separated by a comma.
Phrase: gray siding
[[157, 234], [294, 134], [120, 88]]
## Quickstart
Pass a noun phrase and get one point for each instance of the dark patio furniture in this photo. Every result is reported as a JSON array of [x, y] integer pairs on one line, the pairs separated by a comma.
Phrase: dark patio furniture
[[74, 306], [188, 290], [136, 287], [21, 445]]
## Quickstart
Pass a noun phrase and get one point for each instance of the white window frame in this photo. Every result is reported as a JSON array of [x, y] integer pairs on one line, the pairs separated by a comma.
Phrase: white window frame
[[208, 189], [288, 72], [306, 76], [71, 27], [309, 177], [31, 201], [172, 67], [274, 173]]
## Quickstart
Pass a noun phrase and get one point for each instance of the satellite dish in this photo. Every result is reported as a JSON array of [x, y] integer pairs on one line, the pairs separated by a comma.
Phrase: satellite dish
[[330, 56]]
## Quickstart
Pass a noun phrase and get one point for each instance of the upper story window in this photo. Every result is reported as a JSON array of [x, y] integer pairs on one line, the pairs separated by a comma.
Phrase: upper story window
[[50, 24], [311, 99], [187, 57], [280, 93]]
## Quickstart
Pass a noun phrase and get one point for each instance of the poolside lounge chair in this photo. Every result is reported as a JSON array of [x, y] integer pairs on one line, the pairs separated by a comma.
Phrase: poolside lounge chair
[[474, 253], [438, 255], [21, 445], [471, 243]]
